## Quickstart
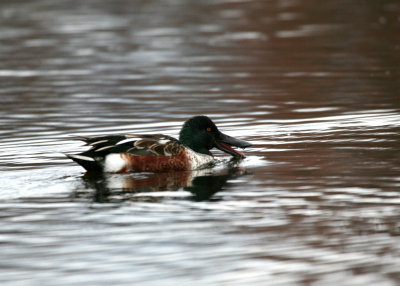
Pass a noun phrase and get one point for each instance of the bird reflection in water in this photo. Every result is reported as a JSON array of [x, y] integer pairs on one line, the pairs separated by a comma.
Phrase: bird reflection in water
[[200, 185]]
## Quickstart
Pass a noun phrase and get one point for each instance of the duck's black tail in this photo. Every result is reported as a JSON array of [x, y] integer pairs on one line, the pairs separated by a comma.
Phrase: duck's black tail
[[86, 162]]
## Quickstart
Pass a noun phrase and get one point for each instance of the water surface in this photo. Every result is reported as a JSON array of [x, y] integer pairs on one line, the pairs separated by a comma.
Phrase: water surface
[[314, 86]]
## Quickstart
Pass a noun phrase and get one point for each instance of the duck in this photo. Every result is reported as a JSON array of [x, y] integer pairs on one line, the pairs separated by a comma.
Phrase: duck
[[157, 152]]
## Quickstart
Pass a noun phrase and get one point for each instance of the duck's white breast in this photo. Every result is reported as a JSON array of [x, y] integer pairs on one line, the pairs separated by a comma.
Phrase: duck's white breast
[[198, 160]]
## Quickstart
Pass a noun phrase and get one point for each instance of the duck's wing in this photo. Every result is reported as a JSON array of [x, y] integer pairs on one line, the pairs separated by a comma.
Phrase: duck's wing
[[134, 144]]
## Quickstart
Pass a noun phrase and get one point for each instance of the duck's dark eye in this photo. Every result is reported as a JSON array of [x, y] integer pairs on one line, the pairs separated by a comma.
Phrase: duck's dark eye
[[208, 129]]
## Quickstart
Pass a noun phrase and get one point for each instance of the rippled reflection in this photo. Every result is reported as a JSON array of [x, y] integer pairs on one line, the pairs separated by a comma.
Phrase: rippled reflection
[[313, 85], [155, 187]]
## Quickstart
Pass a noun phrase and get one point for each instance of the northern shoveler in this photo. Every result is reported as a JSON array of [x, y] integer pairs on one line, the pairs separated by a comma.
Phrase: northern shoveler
[[158, 153]]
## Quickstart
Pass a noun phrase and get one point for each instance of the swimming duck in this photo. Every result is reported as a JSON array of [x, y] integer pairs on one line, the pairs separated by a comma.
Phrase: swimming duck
[[157, 152]]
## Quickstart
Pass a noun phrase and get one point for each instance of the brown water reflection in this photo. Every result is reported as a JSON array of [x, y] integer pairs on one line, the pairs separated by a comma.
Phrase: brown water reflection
[[201, 185], [315, 87]]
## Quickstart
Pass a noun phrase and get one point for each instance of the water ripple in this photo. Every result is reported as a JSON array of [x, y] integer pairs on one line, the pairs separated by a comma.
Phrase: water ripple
[[313, 87]]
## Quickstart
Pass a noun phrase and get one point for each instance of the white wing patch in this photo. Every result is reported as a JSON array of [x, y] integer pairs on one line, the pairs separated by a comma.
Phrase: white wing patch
[[126, 141], [113, 163], [103, 148], [163, 141]]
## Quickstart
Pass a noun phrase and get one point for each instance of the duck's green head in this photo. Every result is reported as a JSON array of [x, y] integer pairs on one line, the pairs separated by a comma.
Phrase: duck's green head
[[201, 134]]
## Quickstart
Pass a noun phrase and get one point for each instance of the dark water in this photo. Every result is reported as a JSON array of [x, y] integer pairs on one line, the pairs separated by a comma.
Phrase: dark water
[[315, 85]]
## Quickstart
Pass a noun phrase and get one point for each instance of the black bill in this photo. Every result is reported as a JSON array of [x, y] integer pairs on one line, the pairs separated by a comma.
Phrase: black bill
[[225, 143]]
